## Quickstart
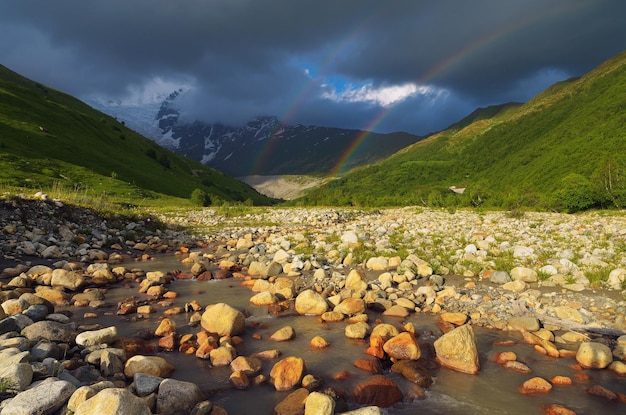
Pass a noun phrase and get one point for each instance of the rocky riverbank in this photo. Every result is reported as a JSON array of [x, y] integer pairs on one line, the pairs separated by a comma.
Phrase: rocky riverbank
[[559, 279]]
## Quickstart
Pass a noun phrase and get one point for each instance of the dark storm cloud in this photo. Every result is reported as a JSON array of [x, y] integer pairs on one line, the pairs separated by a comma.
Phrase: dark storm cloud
[[247, 57]]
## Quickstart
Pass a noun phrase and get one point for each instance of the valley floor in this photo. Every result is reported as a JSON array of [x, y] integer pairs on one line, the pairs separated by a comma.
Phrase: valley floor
[[286, 187]]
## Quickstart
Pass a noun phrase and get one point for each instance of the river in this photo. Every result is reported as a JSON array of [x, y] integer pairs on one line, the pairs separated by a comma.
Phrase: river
[[494, 390]]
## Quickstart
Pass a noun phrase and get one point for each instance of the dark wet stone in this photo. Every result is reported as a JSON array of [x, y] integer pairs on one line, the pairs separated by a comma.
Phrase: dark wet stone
[[44, 349]]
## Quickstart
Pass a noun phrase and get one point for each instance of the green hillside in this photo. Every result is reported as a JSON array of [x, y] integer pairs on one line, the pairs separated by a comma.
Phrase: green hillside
[[48, 138], [564, 150]]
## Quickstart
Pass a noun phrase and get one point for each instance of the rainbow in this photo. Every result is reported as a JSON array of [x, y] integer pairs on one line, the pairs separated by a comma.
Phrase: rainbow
[[441, 68], [434, 72], [300, 97]]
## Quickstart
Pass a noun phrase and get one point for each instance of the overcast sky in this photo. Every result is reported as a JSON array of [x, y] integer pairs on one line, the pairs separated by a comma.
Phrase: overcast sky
[[396, 65]]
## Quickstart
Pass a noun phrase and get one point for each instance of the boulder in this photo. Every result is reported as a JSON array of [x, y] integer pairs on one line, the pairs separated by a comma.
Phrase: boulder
[[69, 280], [536, 385], [499, 277], [83, 393], [377, 263], [287, 373], [524, 323], [310, 302], [318, 342], [356, 281], [146, 384], [458, 351], [50, 330], [385, 330], [319, 404], [113, 401], [223, 319], [414, 371], [358, 330], [166, 327], [223, 355], [150, 365], [396, 311], [283, 334], [251, 366], [350, 306], [264, 298], [293, 404], [377, 390], [177, 397], [349, 237], [456, 319], [19, 375], [43, 399], [402, 347], [94, 337], [593, 355], [111, 363], [524, 274]]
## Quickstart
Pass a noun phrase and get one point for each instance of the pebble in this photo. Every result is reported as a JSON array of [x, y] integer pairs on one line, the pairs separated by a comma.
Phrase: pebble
[[490, 297]]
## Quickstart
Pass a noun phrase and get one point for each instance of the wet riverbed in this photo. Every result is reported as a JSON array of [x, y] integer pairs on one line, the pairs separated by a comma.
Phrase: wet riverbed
[[494, 390]]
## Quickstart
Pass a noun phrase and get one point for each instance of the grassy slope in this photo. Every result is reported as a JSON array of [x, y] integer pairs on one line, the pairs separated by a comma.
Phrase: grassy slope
[[575, 126], [84, 148]]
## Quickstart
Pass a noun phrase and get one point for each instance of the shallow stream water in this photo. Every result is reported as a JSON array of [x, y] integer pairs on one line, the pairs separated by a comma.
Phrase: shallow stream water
[[494, 390]]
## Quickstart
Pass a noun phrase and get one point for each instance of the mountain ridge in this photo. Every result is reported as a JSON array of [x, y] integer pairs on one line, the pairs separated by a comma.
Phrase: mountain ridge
[[51, 137], [267, 146], [558, 151]]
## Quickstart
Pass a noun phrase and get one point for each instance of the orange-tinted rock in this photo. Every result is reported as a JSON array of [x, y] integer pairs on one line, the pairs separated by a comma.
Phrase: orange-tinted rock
[[414, 371], [332, 316], [166, 327], [504, 357], [556, 409], [156, 291], [377, 391], [370, 365], [566, 353], [350, 306], [283, 334], [239, 380], [168, 342], [293, 404], [205, 276], [204, 349], [151, 365], [536, 385], [287, 373], [251, 366], [602, 392], [376, 347], [456, 319], [319, 342], [402, 347], [173, 311], [581, 377], [126, 308], [519, 367], [594, 355], [561, 380], [457, 350], [223, 274]]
